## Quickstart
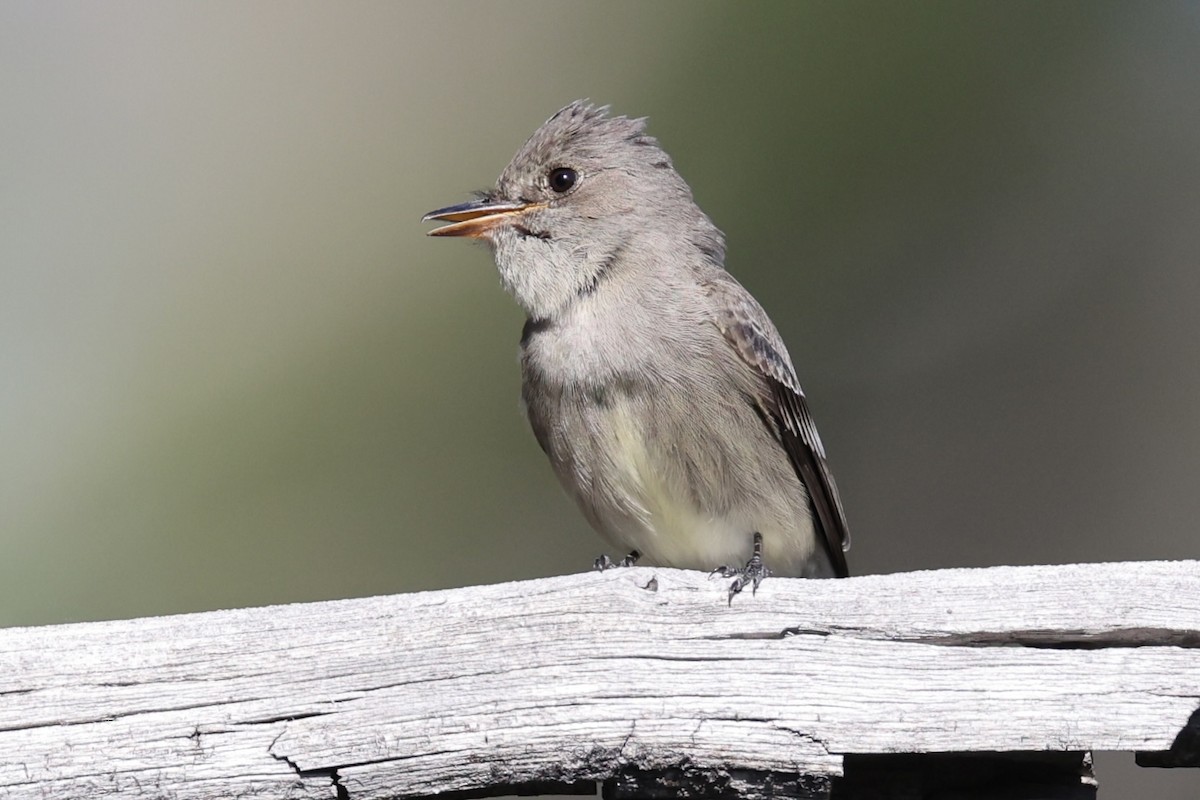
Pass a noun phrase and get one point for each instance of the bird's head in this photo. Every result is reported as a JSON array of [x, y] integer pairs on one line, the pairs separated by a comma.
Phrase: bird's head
[[586, 193]]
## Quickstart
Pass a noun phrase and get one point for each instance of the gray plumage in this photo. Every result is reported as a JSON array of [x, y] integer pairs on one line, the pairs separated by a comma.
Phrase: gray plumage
[[658, 387]]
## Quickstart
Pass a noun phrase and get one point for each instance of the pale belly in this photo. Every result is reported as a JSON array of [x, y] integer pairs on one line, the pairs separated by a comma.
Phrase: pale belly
[[693, 494]]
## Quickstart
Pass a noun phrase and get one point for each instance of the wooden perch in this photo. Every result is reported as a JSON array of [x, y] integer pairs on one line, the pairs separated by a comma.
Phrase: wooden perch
[[639, 677]]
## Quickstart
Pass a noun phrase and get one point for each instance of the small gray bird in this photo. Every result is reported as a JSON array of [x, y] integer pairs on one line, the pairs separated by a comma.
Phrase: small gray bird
[[656, 384]]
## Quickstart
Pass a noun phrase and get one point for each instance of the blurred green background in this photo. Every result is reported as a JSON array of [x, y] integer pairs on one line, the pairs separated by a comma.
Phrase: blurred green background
[[233, 371]]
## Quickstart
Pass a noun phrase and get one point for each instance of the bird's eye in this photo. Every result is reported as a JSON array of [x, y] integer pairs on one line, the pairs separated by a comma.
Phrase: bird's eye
[[562, 179]]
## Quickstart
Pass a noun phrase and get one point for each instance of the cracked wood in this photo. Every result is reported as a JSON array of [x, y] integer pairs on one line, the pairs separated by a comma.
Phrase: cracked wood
[[565, 680]]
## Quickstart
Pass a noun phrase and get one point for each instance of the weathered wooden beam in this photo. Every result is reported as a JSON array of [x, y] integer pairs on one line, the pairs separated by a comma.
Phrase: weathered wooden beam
[[640, 677]]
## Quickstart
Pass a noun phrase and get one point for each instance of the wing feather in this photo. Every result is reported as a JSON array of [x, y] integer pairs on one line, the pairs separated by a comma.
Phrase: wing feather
[[749, 331]]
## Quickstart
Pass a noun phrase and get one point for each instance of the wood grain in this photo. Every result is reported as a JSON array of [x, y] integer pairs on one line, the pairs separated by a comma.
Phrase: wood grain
[[557, 682]]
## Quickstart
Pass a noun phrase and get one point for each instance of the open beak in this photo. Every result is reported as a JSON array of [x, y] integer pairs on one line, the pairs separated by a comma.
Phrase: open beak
[[476, 218]]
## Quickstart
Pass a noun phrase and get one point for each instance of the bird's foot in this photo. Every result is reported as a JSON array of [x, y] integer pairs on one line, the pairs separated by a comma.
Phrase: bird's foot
[[752, 574], [604, 562]]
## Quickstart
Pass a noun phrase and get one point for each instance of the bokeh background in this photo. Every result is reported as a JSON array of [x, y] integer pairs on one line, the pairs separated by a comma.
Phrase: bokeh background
[[233, 371]]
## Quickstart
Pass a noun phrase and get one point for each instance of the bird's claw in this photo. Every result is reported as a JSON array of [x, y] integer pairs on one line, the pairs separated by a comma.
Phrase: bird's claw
[[754, 573], [604, 562]]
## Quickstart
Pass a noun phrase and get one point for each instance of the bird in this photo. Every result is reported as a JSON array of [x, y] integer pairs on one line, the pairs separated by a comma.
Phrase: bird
[[658, 387]]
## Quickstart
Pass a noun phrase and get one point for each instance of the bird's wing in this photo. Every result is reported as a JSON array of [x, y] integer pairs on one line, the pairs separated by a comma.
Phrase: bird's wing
[[752, 335]]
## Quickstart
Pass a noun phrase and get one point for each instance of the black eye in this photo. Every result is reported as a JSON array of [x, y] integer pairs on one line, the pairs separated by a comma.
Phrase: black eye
[[562, 178]]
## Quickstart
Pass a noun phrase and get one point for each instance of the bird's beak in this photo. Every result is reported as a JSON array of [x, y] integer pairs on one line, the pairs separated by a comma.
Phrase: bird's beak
[[476, 218]]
